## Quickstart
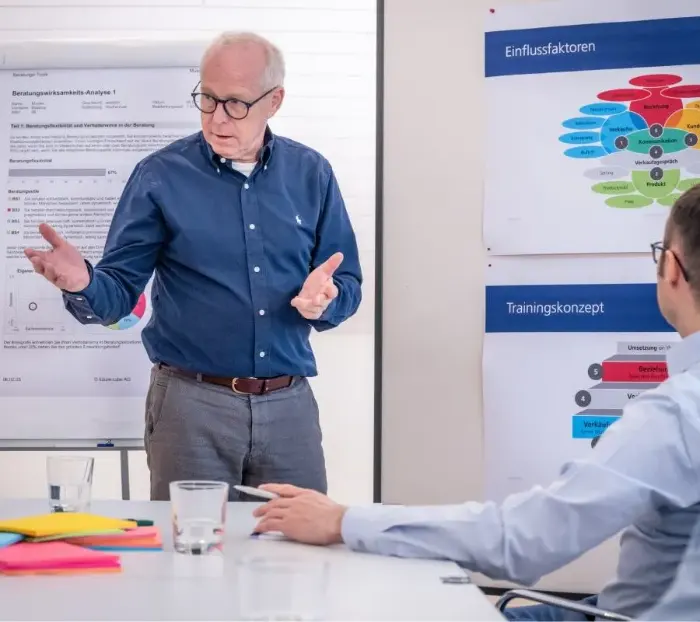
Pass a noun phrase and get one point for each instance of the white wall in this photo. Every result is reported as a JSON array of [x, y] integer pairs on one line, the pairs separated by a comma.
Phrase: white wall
[[434, 263]]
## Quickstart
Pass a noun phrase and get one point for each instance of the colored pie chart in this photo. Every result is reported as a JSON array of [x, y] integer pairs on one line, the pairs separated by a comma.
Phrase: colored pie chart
[[134, 317]]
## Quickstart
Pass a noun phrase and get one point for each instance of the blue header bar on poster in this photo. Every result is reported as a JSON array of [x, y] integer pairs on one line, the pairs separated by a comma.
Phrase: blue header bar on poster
[[606, 308], [587, 47]]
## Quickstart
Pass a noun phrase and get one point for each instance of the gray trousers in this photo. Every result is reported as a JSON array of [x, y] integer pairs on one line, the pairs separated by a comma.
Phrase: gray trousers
[[198, 430]]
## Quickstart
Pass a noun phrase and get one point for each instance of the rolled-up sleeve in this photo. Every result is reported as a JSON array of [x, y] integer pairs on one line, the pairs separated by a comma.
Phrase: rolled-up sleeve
[[642, 460]]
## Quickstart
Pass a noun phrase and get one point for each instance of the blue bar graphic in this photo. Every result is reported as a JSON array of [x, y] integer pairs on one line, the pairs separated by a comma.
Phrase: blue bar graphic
[[587, 47], [590, 426], [603, 308]]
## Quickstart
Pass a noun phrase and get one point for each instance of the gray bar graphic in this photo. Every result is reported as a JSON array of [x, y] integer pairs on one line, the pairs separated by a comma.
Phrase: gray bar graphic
[[643, 348], [57, 172], [600, 412], [611, 395], [641, 358]]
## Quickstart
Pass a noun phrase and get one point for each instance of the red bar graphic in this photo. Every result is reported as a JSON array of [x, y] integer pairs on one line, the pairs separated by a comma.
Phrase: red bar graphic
[[634, 371]]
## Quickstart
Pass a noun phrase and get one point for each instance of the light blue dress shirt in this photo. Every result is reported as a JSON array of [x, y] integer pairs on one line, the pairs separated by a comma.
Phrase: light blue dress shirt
[[643, 476], [682, 601]]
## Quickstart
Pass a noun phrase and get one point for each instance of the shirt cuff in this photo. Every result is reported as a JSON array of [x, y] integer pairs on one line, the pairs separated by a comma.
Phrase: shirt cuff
[[80, 304], [89, 290], [329, 310], [358, 526]]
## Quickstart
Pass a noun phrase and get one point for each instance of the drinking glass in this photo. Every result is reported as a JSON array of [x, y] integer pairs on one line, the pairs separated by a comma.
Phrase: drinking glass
[[70, 483], [282, 588], [199, 516]]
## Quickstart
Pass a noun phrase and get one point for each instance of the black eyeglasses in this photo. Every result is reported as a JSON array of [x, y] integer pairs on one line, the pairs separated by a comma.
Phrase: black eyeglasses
[[657, 251], [233, 107]]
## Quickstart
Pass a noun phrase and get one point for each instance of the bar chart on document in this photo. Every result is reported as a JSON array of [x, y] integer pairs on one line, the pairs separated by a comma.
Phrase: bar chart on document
[[74, 139]]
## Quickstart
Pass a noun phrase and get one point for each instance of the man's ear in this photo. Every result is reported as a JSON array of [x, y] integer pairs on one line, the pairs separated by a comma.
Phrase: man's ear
[[671, 271], [277, 99]]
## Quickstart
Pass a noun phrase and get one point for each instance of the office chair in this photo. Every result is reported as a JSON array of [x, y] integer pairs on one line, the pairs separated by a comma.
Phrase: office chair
[[591, 613]]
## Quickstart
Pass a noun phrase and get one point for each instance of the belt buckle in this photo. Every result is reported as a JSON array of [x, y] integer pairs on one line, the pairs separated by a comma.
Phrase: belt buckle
[[233, 387]]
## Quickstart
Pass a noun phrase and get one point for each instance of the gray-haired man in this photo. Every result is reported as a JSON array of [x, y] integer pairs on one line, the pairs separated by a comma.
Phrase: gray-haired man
[[251, 246]]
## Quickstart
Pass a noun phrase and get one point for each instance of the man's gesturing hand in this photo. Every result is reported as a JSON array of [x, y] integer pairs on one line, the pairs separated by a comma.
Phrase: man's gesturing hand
[[303, 515], [62, 265], [318, 290]]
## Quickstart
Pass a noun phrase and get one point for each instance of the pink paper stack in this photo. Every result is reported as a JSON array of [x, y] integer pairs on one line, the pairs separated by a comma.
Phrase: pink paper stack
[[55, 558]]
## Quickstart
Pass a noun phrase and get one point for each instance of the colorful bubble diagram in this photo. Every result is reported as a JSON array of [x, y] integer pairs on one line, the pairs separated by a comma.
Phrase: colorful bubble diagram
[[643, 146]]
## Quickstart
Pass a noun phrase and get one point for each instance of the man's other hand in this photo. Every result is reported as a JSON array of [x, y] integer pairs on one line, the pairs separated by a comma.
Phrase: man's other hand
[[303, 515], [62, 265], [318, 290]]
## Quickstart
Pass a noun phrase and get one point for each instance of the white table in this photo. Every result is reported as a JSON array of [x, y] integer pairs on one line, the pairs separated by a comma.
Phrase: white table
[[170, 586]]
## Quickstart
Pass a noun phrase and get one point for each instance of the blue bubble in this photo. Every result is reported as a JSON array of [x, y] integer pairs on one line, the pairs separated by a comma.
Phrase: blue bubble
[[603, 109], [586, 152], [584, 123], [580, 138]]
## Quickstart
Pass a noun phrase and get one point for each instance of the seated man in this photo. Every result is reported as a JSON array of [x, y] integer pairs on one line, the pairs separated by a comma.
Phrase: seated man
[[643, 476], [682, 601]]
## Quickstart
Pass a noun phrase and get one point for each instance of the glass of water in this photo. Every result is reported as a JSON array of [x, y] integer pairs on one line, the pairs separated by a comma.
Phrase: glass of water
[[199, 516], [70, 482], [282, 588]]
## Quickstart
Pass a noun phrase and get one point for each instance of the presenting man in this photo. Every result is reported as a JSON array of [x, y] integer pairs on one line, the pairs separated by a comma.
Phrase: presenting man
[[643, 476], [251, 247]]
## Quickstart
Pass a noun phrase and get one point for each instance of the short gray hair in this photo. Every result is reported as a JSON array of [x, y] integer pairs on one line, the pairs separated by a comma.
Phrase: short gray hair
[[274, 67]]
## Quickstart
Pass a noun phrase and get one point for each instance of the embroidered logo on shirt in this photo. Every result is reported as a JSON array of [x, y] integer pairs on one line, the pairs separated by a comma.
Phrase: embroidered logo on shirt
[[298, 219]]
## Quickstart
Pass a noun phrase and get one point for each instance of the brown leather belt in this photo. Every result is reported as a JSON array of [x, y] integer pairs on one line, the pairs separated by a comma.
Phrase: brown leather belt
[[241, 386]]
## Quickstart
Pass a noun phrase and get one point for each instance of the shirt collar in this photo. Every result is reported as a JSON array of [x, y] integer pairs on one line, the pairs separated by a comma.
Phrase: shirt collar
[[684, 355], [265, 152]]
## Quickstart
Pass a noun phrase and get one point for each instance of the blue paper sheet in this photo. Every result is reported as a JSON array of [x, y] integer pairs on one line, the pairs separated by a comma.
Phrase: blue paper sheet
[[9, 538]]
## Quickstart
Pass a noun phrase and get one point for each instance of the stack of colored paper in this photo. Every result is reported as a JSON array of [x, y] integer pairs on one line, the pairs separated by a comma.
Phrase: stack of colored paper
[[37, 544], [55, 558], [139, 539]]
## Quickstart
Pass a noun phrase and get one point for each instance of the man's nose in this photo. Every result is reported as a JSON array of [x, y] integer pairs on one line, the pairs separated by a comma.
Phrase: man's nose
[[220, 115]]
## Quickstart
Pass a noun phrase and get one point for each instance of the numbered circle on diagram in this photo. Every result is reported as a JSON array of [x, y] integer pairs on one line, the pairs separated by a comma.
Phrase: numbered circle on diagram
[[595, 371], [656, 173], [691, 140], [583, 398], [656, 130], [656, 152], [621, 142]]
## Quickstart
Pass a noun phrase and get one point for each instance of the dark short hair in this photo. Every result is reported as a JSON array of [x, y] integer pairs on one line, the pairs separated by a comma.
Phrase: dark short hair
[[683, 227]]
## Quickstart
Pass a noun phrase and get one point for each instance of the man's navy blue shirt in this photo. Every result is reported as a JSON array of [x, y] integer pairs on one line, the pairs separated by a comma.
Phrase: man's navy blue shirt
[[227, 255]]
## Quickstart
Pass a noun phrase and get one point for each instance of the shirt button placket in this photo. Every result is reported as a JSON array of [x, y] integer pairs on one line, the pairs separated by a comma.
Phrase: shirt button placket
[[254, 251]]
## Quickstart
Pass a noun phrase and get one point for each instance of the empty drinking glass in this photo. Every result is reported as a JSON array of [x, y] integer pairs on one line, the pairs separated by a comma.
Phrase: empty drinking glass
[[198, 515], [70, 482], [279, 588]]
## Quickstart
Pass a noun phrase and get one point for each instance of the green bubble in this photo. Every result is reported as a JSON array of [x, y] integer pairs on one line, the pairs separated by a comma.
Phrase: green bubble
[[669, 200], [670, 141], [629, 201], [614, 187], [656, 188], [687, 184]]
